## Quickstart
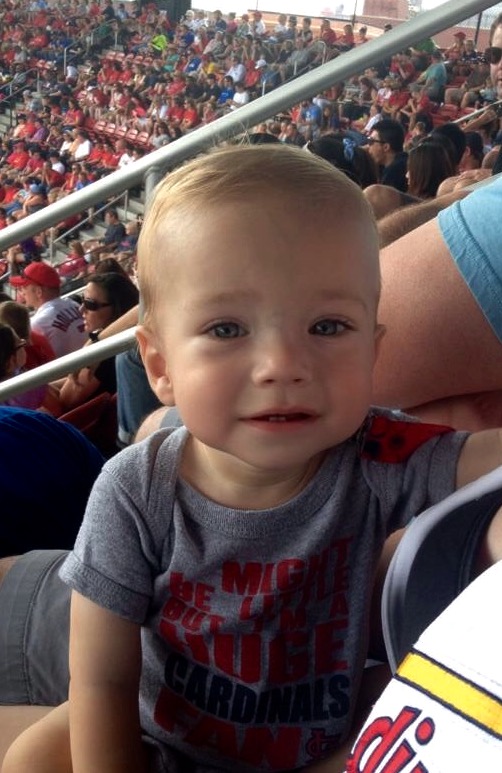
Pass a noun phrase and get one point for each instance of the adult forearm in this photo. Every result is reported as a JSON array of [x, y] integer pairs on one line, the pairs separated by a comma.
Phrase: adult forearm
[[126, 321], [406, 219]]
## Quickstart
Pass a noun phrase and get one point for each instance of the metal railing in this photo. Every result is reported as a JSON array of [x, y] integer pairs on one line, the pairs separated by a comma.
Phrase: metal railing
[[469, 116], [14, 90], [150, 167], [54, 241]]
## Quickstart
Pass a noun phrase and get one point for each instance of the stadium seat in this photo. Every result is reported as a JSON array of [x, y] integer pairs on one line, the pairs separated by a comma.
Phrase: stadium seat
[[99, 126], [142, 140], [110, 129], [97, 420], [131, 135], [435, 561]]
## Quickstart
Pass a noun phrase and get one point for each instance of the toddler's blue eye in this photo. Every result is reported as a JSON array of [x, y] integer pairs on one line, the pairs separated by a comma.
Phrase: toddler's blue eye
[[226, 330], [328, 327]]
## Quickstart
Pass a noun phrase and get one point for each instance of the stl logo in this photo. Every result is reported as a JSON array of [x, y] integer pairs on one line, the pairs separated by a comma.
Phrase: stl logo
[[383, 742], [320, 745]]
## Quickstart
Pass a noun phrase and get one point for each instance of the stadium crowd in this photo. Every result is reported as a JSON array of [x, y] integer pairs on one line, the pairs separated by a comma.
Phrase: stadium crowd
[[94, 86], [136, 80]]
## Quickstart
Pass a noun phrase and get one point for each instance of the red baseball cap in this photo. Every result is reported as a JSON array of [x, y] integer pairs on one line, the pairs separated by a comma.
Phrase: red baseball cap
[[38, 274]]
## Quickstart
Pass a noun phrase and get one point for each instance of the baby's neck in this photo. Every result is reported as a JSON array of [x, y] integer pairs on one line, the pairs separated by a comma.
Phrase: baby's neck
[[234, 484]]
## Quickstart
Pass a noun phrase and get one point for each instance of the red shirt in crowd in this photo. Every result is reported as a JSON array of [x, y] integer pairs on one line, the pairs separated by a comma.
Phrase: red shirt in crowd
[[18, 158]]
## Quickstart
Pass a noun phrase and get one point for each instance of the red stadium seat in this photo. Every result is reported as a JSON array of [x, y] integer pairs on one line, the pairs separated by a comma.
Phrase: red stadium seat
[[97, 420], [143, 140], [131, 135], [120, 132], [99, 126]]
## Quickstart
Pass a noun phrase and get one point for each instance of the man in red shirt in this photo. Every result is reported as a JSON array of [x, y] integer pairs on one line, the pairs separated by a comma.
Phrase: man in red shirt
[[327, 34], [17, 160]]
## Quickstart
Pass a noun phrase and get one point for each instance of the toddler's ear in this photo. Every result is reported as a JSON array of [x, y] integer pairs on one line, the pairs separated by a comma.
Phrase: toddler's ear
[[155, 365]]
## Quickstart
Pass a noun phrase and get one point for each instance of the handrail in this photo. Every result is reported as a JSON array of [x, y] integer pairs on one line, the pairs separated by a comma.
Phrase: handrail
[[78, 226], [68, 363], [14, 93], [350, 63], [475, 113], [338, 69]]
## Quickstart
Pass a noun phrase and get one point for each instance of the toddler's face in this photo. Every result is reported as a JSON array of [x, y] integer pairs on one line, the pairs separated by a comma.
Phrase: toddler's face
[[266, 339]]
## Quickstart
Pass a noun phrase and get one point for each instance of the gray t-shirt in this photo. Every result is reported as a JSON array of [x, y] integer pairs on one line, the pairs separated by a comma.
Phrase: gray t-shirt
[[255, 623]]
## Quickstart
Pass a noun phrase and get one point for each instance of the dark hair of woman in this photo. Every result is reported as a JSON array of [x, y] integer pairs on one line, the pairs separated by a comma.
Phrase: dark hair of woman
[[8, 344], [428, 165], [120, 291], [110, 265], [342, 152]]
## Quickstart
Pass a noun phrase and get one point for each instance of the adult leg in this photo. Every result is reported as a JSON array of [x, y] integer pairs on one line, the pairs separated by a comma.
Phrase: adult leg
[[135, 398], [34, 632], [15, 719], [43, 747]]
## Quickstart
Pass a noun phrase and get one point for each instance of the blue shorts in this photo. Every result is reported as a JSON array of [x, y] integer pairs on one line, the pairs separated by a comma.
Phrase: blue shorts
[[472, 230]]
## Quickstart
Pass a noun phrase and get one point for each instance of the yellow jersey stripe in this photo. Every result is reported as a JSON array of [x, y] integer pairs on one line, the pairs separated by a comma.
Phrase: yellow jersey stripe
[[452, 690]]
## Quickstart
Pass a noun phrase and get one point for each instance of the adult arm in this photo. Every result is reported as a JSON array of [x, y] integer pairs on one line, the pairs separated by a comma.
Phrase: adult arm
[[438, 342], [126, 321], [77, 388], [406, 219], [105, 665]]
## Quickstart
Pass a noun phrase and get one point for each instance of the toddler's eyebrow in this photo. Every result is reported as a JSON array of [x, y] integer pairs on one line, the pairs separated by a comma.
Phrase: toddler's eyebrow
[[233, 296], [216, 299]]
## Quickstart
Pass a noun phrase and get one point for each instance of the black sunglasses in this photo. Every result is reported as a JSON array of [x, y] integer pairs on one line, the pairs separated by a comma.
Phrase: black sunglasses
[[493, 54], [91, 305]]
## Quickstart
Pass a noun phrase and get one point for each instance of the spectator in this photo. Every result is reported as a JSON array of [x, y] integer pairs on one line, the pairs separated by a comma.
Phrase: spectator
[[472, 157], [269, 77], [309, 119], [106, 298], [61, 466], [241, 96], [327, 34], [38, 350], [428, 165], [435, 77], [258, 26], [227, 91], [417, 108], [455, 140], [305, 33], [237, 70], [12, 362], [114, 233], [35, 200], [385, 146], [81, 146], [58, 319], [17, 160], [110, 266], [75, 266]]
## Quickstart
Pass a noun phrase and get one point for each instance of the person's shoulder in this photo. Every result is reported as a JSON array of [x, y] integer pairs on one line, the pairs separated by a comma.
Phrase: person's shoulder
[[38, 430]]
